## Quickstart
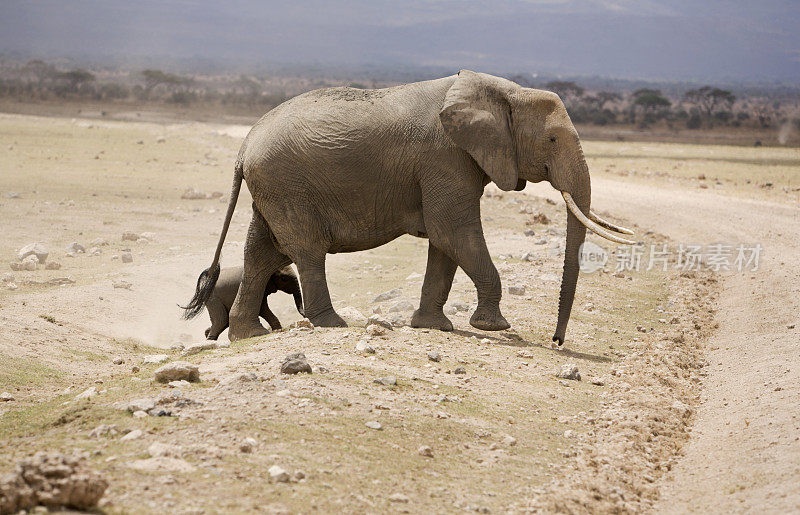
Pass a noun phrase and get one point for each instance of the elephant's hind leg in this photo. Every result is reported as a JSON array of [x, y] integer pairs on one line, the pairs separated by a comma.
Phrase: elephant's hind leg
[[261, 260], [316, 298], [438, 280], [219, 318]]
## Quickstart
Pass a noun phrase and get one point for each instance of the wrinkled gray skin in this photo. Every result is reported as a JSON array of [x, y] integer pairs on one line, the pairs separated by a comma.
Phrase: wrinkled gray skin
[[343, 169], [221, 300]]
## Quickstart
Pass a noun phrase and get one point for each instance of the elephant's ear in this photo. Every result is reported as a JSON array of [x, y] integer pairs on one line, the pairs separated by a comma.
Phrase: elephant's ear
[[477, 117]]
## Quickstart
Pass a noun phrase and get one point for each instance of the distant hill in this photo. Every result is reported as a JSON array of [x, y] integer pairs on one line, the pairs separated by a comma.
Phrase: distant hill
[[675, 40]]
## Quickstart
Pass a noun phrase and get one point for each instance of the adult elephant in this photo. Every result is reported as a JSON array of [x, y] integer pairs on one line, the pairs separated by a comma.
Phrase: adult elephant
[[343, 169]]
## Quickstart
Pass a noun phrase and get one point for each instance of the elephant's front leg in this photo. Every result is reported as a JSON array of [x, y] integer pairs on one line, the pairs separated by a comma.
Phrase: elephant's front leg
[[435, 289], [261, 260], [471, 254]]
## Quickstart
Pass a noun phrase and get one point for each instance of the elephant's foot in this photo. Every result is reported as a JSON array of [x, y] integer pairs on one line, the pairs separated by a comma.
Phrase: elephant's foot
[[431, 320], [488, 319], [328, 318], [211, 335], [244, 331]]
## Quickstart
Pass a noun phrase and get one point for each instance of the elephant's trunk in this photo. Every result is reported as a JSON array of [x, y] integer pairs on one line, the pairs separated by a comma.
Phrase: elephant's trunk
[[576, 233]]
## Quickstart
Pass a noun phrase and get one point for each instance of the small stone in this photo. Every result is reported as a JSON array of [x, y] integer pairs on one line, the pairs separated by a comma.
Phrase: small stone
[[388, 295], [179, 384], [140, 414], [529, 232], [144, 404], [162, 464], [126, 257], [161, 139], [133, 435], [6, 397], [248, 445], [460, 371], [7, 278], [176, 371], [13, 194], [414, 277], [386, 381], [461, 306], [375, 330], [99, 242], [135, 369], [304, 323], [12, 286], [426, 451], [299, 475], [118, 361], [197, 348], [509, 440], [374, 424], [352, 316], [399, 498], [75, 248], [402, 305], [278, 474], [295, 363], [450, 310], [516, 289], [791, 326], [129, 236], [122, 285], [569, 433], [104, 430], [568, 371], [87, 394], [364, 347], [160, 450], [376, 319], [29, 263], [528, 256], [35, 249], [53, 265], [155, 359], [434, 356]]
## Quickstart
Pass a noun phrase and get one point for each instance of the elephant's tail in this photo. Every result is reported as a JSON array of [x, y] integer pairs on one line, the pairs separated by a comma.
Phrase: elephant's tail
[[208, 279]]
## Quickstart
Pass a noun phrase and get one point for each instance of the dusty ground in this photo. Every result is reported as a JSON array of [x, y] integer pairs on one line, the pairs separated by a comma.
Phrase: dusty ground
[[505, 436]]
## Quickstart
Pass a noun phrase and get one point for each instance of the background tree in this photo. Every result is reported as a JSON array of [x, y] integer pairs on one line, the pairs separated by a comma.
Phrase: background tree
[[652, 103], [709, 99], [154, 78], [569, 92]]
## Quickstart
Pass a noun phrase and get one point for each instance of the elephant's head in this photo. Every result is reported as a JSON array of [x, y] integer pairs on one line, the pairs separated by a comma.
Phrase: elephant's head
[[285, 280], [518, 134]]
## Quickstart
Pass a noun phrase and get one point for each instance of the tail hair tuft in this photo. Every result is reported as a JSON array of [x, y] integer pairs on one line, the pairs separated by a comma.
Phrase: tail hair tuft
[[205, 286]]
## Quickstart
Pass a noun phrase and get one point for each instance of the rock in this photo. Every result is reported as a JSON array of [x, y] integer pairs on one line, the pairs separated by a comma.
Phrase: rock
[[75, 248], [426, 451], [460, 305], [353, 316], [376, 319], [295, 363], [374, 424], [35, 249], [129, 236], [104, 430], [140, 414], [12, 286], [195, 194], [123, 285], [529, 232], [99, 242], [87, 394], [16, 266], [386, 381], [7, 278], [126, 257], [278, 475], [569, 433], [403, 305], [133, 435], [414, 277], [516, 289], [179, 384], [154, 359], [52, 480], [248, 445], [244, 377], [159, 449], [196, 348], [53, 265], [299, 475], [304, 323], [13, 194], [375, 330], [434, 356], [161, 139], [144, 404], [6, 397], [29, 263], [162, 463], [364, 347], [399, 498], [388, 295], [177, 370], [118, 361], [450, 310], [509, 441], [460, 371], [541, 241], [94, 251], [568, 371]]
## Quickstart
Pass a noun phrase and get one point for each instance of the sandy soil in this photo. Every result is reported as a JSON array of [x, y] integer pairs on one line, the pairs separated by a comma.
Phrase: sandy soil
[[659, 378]]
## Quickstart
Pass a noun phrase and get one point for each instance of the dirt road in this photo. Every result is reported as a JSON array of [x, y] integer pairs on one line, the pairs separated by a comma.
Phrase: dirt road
[[744, 454]]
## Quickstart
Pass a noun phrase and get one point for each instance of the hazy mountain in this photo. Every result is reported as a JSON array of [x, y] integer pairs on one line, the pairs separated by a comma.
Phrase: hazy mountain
[[674, 39]]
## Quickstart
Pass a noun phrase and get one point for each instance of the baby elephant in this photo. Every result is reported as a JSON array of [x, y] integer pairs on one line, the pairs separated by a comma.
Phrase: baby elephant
[[219, 305]]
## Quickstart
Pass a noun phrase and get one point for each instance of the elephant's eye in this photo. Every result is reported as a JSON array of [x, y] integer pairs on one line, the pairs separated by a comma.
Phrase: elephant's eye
[[552, 139]]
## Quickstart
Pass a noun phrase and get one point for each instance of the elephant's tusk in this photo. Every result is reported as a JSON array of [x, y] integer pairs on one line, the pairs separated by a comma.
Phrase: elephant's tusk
[[608, 225], [592, 226]]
